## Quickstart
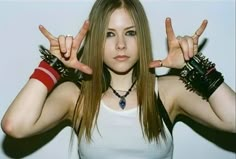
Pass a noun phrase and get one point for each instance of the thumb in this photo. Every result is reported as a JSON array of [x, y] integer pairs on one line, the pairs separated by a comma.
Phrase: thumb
[[156, 64], [83, 68]]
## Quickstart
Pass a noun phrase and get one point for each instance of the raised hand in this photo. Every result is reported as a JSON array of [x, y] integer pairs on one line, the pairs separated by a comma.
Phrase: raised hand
[[180, 49], [65, 48]]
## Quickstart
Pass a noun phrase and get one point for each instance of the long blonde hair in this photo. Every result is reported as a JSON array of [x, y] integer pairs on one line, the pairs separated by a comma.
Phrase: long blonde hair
[[92, 87]]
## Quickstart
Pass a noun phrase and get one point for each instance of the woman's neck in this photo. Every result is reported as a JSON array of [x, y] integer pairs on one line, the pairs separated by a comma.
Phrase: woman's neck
[[121, 82]]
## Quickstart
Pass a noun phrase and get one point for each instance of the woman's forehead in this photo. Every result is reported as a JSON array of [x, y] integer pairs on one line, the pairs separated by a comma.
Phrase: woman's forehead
[[120, 18]]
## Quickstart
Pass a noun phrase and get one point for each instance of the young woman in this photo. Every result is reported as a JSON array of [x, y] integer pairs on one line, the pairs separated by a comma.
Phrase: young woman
[[111, 94]]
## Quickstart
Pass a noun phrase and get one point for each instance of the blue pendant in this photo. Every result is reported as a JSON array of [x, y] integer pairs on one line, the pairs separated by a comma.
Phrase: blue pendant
[[122, 103]]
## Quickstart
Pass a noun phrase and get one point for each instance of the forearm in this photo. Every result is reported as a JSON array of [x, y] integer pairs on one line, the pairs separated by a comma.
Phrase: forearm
[[201, 76], [26, 108], [223, 103], [32, 112]]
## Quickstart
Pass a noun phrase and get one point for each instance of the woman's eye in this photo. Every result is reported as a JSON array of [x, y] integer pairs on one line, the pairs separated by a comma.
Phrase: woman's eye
[[110, 34], [131, 33]]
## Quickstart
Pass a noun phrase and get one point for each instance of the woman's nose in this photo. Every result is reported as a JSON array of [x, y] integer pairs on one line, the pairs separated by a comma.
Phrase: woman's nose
[[121, 43]]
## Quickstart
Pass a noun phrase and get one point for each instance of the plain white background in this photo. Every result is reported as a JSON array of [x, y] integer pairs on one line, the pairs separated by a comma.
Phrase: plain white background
[[20, 37]]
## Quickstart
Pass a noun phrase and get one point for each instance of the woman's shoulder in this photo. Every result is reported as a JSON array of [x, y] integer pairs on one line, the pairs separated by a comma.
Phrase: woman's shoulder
[[169, 81], [67, 92], [168, 88], [69, 88], [170, 85], [169, 77]]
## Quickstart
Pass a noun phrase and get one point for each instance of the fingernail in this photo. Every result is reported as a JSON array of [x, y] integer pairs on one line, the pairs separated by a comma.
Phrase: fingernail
[[64, 51]]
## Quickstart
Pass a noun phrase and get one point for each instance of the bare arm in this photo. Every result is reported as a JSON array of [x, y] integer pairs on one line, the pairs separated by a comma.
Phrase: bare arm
[[219, 112], [32, 112]]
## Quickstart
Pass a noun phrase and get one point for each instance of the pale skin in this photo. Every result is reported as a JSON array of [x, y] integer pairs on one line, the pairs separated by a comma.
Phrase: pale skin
[[46, 112]]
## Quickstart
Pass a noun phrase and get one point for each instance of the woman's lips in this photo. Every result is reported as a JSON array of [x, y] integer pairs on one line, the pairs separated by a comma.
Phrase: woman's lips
[[121, 58]]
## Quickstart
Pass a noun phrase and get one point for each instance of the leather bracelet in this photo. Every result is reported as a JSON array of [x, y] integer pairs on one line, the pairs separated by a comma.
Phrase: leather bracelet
[[66, 73], [200, 76], [53, 61]]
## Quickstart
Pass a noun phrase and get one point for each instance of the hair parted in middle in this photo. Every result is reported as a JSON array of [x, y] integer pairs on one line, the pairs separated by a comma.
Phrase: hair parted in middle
[[92, 87]]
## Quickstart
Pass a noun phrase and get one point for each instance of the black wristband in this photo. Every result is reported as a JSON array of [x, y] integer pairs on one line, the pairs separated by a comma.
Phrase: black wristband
[[200, 76], [53, 61]]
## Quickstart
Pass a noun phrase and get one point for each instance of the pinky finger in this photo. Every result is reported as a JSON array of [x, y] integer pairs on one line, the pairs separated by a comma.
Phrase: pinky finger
[[201, 29], [80, 36]]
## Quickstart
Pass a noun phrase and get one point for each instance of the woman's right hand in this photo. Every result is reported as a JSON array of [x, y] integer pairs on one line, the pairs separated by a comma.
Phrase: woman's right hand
[[65, 48]]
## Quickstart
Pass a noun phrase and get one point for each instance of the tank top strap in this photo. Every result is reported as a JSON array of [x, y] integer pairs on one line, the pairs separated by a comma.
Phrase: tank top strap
[[163, 113]]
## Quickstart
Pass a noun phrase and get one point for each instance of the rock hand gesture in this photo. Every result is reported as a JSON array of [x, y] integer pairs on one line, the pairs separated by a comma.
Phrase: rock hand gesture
[[65, 48]]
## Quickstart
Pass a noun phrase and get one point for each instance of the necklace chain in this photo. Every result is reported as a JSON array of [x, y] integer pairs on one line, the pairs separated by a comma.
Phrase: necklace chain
[[122, 102]]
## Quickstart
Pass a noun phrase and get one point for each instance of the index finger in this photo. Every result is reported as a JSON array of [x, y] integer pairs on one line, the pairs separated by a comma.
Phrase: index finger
[[169, 29], [46, 33]]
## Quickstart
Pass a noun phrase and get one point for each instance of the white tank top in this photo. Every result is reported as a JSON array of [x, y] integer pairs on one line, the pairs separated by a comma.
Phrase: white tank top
[[118, 135]]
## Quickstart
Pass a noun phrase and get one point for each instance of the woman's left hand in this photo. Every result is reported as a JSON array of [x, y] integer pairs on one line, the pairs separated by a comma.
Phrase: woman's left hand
[[180, 49]]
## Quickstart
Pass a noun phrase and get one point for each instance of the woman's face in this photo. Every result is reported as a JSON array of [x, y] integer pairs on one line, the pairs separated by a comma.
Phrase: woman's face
[[121, 52]]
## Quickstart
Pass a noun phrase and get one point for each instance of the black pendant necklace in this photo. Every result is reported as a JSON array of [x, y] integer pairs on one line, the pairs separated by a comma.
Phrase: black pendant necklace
[[122, 101]]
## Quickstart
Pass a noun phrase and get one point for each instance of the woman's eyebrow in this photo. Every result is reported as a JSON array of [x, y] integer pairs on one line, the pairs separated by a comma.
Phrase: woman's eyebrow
[[127, 28]]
